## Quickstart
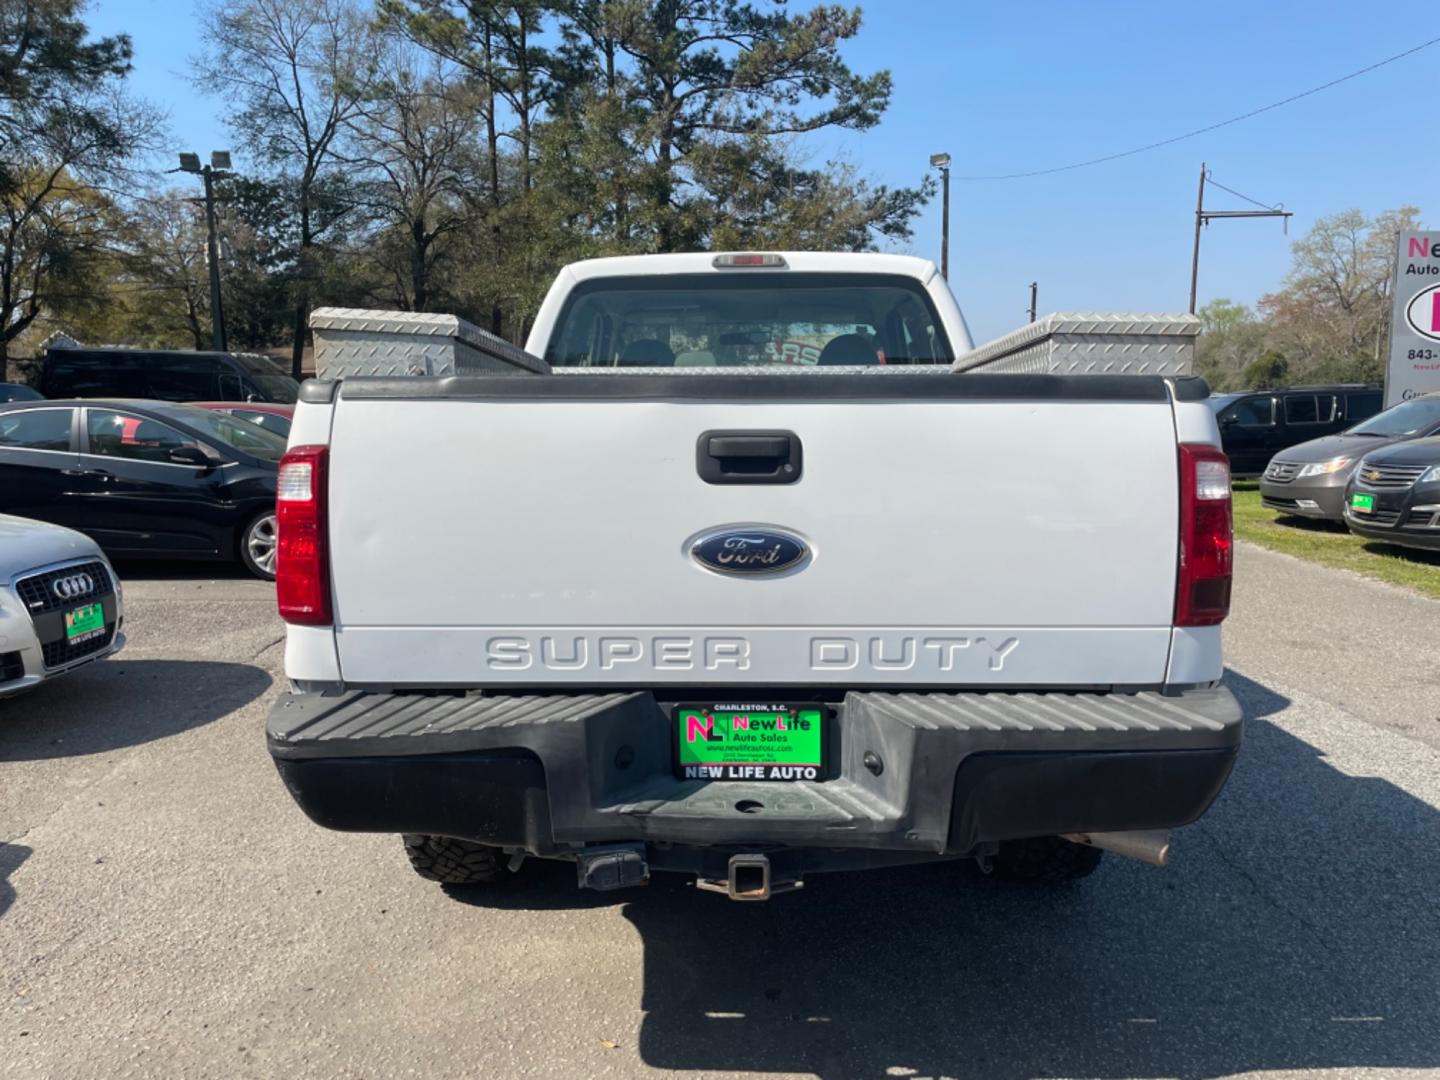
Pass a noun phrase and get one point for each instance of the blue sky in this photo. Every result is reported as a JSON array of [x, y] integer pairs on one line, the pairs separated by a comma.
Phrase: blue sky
[[1007, 87]]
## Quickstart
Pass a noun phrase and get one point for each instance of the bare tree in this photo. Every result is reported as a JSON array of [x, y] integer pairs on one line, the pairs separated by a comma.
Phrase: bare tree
[[414, 146], [1333, 310], [168, 254], [293, 73]]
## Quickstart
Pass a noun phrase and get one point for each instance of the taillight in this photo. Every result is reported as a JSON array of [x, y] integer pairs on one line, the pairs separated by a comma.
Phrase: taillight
[[302, 559], [1202, 591]]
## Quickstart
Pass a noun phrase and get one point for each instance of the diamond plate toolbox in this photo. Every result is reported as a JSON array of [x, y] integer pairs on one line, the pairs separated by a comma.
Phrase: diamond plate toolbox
[[1091, 343], [354, 341]]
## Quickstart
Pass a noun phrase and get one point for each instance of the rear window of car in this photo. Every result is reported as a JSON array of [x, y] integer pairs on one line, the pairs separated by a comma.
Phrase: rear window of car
[[745, 320], [272, 422], [36, 429], [227, 430]]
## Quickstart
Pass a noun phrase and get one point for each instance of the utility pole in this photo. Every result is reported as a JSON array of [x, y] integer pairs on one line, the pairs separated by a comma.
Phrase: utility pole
[[1034, 292], [942, 162], [219, 166], [1195, 257], [1204, 217]]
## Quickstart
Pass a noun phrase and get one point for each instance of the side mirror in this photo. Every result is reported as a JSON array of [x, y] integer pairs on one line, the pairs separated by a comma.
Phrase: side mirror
[[191, 455], [1229, 421]]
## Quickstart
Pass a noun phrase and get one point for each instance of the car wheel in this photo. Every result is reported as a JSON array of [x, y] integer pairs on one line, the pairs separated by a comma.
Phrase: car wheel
[[1044, 860], [455, 862], [258, 545]]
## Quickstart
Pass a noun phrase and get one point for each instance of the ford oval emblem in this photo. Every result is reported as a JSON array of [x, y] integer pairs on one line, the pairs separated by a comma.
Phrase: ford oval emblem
[[749, 551]]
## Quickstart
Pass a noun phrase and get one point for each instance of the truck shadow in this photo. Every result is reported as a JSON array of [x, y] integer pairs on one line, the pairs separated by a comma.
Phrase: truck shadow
[[11, 856], [118, 703], [1296, 929]]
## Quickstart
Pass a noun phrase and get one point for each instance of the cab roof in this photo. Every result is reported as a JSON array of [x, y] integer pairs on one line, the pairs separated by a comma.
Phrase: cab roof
[[702, 262]]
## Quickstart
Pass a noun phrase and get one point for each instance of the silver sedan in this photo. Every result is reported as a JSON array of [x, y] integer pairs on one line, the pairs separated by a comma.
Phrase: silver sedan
[[61, 604]]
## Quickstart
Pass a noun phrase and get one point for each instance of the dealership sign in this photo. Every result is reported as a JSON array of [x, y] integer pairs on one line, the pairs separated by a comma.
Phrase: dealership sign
[[1415, 327]]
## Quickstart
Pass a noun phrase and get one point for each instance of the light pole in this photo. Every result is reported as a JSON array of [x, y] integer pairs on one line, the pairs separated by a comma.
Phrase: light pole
[[219, 166], [942, 162]]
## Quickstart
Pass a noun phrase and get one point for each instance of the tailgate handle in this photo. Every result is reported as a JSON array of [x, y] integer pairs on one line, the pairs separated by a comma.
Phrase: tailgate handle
[[767, 446], [748, 457]]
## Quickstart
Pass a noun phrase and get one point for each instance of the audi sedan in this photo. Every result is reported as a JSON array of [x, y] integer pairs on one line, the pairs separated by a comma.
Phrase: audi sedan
[[144, 479], [60, 603], [1394, 495]]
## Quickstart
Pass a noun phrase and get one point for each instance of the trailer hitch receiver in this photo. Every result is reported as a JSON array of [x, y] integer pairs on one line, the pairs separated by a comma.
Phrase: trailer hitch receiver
[[748, 879]]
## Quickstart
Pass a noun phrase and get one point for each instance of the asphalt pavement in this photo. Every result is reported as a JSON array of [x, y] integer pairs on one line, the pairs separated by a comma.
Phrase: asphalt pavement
[[166, 911]]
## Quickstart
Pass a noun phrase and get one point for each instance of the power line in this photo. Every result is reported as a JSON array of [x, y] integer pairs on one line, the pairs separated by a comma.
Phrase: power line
[[1210, 179], [1208, 127]]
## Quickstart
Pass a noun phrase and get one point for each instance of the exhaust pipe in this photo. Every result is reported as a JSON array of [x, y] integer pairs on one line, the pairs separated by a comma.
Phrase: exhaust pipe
[[1151, 846]]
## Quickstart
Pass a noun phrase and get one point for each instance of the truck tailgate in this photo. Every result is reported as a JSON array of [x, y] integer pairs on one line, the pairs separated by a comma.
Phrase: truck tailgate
[[963, 531]]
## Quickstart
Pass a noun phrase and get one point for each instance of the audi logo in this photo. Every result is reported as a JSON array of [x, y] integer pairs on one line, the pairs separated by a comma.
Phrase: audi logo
[[73, 585]]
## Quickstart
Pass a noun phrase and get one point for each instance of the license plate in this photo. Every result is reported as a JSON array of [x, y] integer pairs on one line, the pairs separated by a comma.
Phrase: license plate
[[738, 741], [84, 623], [1362, 503]]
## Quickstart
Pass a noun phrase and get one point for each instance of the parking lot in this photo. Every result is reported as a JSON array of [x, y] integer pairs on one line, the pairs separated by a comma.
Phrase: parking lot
[[166, 910]]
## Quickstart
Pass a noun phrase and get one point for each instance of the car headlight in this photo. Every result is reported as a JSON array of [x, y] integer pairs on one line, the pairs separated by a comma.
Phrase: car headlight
[[1430, 475], [1323, 468]]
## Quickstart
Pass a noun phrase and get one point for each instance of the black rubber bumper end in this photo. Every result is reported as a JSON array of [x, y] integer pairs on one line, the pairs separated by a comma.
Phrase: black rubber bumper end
[[1004, 796], [495, 797]]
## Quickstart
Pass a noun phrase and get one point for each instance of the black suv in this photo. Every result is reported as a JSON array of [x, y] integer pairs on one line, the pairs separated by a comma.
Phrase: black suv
[[164, 375], [1254, 425]]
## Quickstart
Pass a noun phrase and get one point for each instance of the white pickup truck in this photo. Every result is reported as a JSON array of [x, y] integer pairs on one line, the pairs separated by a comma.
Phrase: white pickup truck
[[737, 574]]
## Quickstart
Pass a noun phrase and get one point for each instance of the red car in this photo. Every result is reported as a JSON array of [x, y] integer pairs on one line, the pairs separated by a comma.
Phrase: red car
[[272, 417]]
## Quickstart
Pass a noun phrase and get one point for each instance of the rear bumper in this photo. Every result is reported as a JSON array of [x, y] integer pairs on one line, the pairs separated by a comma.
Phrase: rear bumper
[[551, 775]]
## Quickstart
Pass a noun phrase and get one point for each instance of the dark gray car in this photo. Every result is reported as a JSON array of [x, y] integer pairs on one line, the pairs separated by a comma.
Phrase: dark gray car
[[1309, 479], [1394, 495]]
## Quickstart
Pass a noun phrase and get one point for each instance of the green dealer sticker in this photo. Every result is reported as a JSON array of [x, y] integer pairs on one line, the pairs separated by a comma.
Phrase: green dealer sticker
[[84, 623], [1362, 503], [730, 741]]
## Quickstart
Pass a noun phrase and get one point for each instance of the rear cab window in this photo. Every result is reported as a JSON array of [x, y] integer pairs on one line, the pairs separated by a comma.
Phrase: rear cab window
[[748, 320]]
